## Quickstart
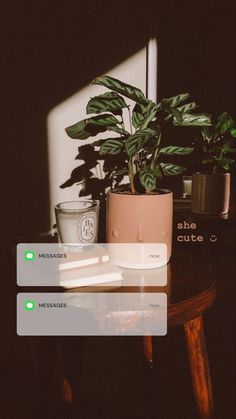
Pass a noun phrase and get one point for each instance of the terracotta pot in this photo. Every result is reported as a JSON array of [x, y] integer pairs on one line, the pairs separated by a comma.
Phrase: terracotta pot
[[141, 219], [210, 193]]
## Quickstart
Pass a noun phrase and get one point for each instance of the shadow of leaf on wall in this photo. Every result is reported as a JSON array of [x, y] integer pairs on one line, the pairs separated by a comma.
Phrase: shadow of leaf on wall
[[95, 176]]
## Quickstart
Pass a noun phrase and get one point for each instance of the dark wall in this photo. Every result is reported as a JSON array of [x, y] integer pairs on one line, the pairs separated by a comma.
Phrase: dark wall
[[50, 49], [196, 45], [197, 51]]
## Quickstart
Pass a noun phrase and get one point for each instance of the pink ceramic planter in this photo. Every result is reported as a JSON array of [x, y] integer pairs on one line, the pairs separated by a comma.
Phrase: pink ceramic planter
[[140, 219]]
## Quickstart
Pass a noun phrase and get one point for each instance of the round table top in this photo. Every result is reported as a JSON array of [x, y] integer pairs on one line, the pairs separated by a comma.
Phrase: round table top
[[190, 288]]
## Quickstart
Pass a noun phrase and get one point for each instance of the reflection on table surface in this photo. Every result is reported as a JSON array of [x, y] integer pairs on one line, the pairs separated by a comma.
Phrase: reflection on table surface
[[187, 276]]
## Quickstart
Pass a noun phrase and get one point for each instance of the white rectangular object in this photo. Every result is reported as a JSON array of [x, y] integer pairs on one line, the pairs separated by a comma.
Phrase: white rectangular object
[[92, 275], [80, 259]]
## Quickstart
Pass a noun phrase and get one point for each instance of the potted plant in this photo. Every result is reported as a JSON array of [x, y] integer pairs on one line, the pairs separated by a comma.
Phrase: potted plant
[[211, 186], [137, 212]]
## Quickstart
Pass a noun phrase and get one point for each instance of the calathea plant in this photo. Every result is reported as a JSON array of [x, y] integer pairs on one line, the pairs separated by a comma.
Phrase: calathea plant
[[216, 144], [136, 150]]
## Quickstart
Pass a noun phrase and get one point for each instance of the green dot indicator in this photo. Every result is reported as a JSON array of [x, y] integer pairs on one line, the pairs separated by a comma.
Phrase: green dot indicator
[[29, 255], [29, 305]]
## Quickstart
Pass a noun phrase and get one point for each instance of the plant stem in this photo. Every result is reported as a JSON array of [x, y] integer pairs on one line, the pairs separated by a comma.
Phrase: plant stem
[[131, 176], [131, 164], [130, 121], [122, 123], [156, 152]]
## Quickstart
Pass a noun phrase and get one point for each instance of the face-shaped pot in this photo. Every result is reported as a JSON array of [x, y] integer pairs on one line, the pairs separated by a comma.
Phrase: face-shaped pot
[[141, 219]]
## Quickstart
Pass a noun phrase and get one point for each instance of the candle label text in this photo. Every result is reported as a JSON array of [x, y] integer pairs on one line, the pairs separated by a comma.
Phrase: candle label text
[[87, 227]]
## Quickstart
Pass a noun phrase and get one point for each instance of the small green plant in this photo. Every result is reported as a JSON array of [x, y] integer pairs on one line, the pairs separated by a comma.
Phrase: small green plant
[[137, 150], [216, 144]]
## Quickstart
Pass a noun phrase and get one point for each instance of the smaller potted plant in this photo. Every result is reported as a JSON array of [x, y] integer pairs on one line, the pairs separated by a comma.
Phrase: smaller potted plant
[[211, 186]]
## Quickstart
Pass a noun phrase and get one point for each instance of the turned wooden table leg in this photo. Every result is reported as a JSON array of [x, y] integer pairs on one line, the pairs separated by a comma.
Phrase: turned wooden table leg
[[66, 390], [148, 349], [197, 353], [65, 385]]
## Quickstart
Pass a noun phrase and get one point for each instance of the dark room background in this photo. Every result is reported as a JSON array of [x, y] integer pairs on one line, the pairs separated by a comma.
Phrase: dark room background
[[51, 49]]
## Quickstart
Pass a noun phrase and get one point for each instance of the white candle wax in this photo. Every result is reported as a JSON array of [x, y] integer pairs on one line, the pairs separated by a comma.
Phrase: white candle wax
[[187, 187], [77, 228]]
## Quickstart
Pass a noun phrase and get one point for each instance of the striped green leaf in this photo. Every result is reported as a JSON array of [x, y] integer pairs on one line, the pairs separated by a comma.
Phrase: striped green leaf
[[111, 146], [172, 150], [138, 115], [91, 126], [123, 88], [156, 170], [150, 116], [105, 119], [170, 169], [193, 120], [187, 108], [174, 101], [107, 102], [135, 142], [147, 179], [176, 114], [117, 129], [142, 115], [78, 131]]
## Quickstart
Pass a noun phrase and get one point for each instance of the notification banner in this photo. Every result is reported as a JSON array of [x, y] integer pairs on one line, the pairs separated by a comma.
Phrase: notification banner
[[72, 266], [91, 314]]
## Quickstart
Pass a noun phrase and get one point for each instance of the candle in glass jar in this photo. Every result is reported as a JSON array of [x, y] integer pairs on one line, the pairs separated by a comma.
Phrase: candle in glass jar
[[187, 186], [77, 221]]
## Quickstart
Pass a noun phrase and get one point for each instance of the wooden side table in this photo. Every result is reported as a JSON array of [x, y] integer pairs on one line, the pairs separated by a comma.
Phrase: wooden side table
[[191, 291]]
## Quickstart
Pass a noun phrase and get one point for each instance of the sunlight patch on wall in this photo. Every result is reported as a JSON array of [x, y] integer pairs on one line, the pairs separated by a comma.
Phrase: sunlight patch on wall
[[61, 149]]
